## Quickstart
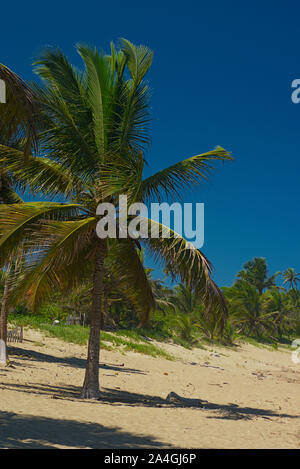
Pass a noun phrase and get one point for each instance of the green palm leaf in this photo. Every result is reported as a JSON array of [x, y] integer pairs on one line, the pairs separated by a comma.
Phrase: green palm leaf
[[39, 174], [139, 59], [190, 264], [19, 115], [67, 118], [126, 268], [189, 172], [18, 222], [7, 192], [57, 258]]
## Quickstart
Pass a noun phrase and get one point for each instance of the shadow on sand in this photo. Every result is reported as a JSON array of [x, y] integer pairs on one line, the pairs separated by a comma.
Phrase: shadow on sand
[[28, 431], [73, 362], [118, 397]]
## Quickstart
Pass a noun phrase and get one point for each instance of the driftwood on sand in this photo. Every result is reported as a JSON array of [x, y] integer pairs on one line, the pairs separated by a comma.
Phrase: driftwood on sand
[[176, 399]]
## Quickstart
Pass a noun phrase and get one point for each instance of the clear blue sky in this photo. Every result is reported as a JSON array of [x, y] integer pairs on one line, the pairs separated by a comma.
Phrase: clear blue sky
[[221, 75]]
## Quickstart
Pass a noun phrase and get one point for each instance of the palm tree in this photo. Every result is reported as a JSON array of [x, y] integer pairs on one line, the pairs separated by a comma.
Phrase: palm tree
[[209, 325], [95, 132], [184, 325], [185, 300], [275, 301], [246, 308], [7, 196], [291, 277], [256, 273], [18, 129]]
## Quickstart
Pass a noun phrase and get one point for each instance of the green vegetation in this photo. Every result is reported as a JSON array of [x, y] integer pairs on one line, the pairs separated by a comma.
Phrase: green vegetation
[[270, 317], [121, 340], [259, 308]]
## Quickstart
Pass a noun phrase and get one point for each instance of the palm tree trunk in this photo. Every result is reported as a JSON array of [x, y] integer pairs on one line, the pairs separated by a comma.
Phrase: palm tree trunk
[[103, 313], [1, 187], [3, 323], [91, 388]]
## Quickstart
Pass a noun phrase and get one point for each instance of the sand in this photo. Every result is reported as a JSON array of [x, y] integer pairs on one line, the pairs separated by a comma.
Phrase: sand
[[252, 395]]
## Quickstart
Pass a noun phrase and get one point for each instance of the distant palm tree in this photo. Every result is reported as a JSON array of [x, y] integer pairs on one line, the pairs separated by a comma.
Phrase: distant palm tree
[[185, 299], [95, 130], [291, 277], [184, 325], [163, 295], [275, 301], [246, 308], [256, 273]]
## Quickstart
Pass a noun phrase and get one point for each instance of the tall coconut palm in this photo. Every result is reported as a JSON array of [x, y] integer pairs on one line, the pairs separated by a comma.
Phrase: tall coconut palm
[[95, 132], [291, 277]]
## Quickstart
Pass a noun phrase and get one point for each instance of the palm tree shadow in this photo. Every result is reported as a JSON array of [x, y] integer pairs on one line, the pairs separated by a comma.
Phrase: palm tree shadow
[[118, 397], [74, 362], [223, 411], [31, 432]]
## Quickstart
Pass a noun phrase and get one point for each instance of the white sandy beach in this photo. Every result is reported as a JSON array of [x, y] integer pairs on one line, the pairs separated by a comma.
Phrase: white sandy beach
[[252, 396]]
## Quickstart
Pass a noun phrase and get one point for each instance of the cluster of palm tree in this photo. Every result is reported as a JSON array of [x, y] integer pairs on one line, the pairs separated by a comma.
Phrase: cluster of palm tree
[[260, 307], [79, 137]]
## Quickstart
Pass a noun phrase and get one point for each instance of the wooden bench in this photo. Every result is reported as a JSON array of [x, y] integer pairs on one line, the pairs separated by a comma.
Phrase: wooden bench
[[15, 335], [79, 319]]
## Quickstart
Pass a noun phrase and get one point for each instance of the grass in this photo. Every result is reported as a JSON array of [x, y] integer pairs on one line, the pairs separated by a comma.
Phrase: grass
[[74, 334], [137, 340], [122, 340], [33, 321], [267, 343]]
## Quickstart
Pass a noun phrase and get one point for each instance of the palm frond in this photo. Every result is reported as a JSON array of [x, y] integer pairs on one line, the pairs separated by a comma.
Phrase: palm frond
[[131, 129], [98, 91], [122, 174], [139, 59], [187, 173], [54, 69], [125, 266], [189, 264], [8, 195], [67, 118], [18, 222], [19, 116], [39, 174], [57, 258]]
